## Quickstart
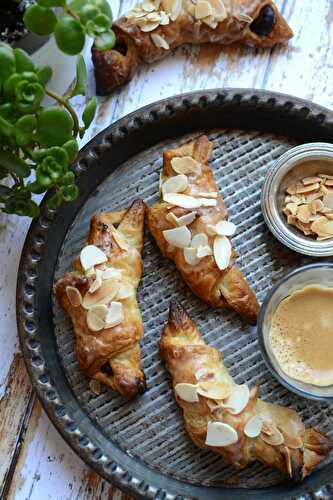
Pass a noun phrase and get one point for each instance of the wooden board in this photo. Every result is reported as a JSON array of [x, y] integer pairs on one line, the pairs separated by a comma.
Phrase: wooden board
[[35, 463]]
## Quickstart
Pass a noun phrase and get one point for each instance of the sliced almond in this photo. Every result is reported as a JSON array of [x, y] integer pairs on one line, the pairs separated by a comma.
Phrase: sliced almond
[[328, 200], [91, 256], [300, 188], [296, 199], [310, 180], [149, 26], [176, 184], [304, 213], [190, 256], [175, 10], [159, 41], [204, 194], [210, 21], [244, 18], [320, 227], [90, 273], [325, 176], [202, 9], [222, 228], [97, 283], [222, 252], [291, 189], [185, 165], [199, 239], [164, 18], [186, 219], [179, 237], [207, 202], [316, 206], [111, 273], [329, 182], [103, 295], [292, 208], [253, 427], [95, 387], [96, 317], [125, 291], [204, 251], [219, 10], [329, 216], [182, 200], [220, 434], [187, 392], [213, 390], [74, 296], [148, 6], [273, 437], [238, 399], [115, 314]]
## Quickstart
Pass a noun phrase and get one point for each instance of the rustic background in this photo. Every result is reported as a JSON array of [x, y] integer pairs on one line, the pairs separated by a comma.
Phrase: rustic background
[[35, 461]]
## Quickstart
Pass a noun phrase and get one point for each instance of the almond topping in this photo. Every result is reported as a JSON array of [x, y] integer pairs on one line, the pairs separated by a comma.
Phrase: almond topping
[[222, 228], [204, 251], [300, 188], [212, 194], [91, 256], [103, 295], [179, 237], [187, 392], [202, 9], [190, 256], [311, 180], [182, 200], [238, 399], [115, 314], [292, 208], [272, 437], [97, 283], [164, 18], [222, 252], [111, 273], [220, 434], [199, 239], [328, 200], [96, 317], [147, 27], [213, 390], [159, 41], [185, 165], [74, 296], [304, 213], [184, 220], [176, 184], [220, 12], [253, 427], [125, 291], [207, 202]]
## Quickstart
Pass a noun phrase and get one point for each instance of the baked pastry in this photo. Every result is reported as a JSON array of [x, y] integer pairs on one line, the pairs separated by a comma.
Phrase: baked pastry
[[229, 419], [154, 28], [100, 298], [190, 227]]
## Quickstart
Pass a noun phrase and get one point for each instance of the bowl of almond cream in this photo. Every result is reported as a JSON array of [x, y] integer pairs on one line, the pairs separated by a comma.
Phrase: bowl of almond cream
[[295, 331]]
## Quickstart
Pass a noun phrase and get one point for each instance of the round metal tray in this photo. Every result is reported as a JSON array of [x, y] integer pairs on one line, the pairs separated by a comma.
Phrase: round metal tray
[[140, 445]]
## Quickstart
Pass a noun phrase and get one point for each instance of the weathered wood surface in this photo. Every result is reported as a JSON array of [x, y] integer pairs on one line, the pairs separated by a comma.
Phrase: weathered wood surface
[[35, 463]]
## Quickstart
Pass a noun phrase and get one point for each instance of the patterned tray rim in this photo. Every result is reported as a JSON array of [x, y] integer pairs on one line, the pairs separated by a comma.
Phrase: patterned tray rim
[[238, 108]]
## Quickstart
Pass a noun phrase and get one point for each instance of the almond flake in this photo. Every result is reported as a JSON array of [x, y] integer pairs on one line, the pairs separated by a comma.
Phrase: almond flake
[[74, 296], [328, 200], [325, 176], [186, 219], [238, 399], [115, 314], [199, 240], [96, 317], [179, 237], [222, 228], [304, 213], [222, 252], [176, 184], [176, 10], [292, 208], [171, 217], [296, 199], [244, 18], [185, 165], [253, 427], [103, 295], [213, 390], [148, 6], [310, 180], [220, 434], [159, 41], [182, 200], [97, 283], [273, 436], [329, 182], [212, 194], [211, 22], [90, 273], [164, 18], [187, 392], [153, 17], [111, 273], [204, 251], [95, 387], [291, 189], [91, 256], [219, 10], [203, 9], [319, 227], [300, 188], [207, 202], [125, 291], [147, 27], [316, 206], [190, 256]]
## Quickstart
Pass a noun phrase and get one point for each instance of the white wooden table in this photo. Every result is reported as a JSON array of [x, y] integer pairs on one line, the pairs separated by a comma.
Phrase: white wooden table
[[35, 462]]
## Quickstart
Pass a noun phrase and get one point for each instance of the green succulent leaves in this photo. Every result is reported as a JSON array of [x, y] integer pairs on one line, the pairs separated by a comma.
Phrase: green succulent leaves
[[54, 126], [69, 35], [40, 20], [89, 112]]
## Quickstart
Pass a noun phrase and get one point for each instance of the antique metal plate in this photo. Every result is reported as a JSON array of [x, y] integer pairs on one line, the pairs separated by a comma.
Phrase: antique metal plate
[[140, 445]]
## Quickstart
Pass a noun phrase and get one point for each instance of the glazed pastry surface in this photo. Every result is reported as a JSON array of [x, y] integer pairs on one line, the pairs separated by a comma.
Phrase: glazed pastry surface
[[110, 355], [154, 28], [218, 287], [279, 437]]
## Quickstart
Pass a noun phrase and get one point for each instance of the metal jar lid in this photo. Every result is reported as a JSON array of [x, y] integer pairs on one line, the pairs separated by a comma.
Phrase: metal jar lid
[[290, 167]]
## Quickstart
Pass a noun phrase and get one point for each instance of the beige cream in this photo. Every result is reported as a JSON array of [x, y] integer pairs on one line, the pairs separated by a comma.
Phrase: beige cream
[[301, 335]]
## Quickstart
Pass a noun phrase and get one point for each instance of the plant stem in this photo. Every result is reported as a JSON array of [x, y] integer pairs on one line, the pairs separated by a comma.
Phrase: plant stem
[[72, 13], [61, 100]]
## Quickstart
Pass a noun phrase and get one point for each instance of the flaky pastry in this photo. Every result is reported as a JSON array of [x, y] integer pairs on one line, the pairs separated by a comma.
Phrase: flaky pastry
[[199, 242], [100, 298], [154, 28], [229, 419]]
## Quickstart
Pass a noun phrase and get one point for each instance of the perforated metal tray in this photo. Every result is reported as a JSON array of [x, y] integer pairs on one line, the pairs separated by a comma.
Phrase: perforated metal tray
[[140, 445]]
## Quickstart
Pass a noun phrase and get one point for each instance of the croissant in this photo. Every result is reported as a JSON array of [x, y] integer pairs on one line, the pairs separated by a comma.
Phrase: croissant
[[229, 419], [100, 299], [190, 227], [154, 28]]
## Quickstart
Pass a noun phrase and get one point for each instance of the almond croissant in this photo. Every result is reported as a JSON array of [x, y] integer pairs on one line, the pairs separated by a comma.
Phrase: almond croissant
[[100, 298], [228, 418], [156, 27], [196, 237]]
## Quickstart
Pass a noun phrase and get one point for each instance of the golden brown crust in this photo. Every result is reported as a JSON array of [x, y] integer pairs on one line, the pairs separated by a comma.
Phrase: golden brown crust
[[116, 66], [111, 355], [185, 352], [218, 288]]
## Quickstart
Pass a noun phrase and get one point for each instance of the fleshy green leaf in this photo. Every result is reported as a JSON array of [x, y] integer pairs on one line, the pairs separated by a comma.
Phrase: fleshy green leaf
[[6, 128], [23, 61], [52, 3], [105, 41], [40, 20], [24, 129], [45, 74], [89, 112], [54, 126], [69, 35], [7, 62], [72, 149], [81, 78], [13, 164]]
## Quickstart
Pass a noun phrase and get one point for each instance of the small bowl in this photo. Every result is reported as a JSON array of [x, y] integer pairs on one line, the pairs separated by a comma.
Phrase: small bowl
[[313, 274], [303, 161]]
